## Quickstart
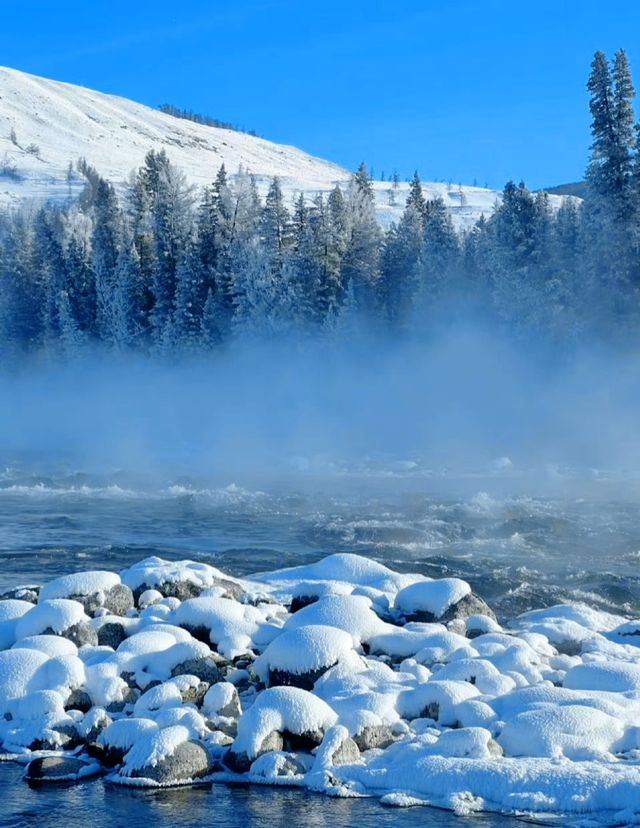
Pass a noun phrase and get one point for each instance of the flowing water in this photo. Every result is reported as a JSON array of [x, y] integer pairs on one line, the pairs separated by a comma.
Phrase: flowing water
[[518, 547]]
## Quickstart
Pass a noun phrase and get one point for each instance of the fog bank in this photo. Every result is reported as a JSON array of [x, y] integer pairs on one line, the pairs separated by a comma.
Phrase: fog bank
[[466, 401]]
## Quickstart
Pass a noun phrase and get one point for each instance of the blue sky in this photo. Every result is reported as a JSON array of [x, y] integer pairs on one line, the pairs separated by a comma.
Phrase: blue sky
[[466, 90]]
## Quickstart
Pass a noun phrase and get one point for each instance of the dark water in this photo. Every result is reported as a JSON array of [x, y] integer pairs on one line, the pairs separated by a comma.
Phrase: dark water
[[519, 551], [101, 805], [518, 548]]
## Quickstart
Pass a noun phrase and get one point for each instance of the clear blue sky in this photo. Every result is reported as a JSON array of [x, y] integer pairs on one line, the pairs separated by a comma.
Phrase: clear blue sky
[[462, 90]]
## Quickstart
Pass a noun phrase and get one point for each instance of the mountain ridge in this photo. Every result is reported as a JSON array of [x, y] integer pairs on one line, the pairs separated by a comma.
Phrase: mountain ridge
[[46, 126]]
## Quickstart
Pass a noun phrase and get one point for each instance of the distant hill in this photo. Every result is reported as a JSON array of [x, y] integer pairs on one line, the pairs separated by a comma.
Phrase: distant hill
[[47, 126], [578, 188]]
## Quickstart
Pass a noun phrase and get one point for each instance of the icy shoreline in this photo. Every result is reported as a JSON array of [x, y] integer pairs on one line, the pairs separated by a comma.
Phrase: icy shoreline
[[341, 676]]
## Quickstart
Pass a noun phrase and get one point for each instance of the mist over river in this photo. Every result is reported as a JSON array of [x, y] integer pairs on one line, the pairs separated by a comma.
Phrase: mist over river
[[518, 547]]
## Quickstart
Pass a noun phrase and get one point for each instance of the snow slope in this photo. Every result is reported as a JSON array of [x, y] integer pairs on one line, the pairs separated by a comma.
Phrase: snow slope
[[66, 122]]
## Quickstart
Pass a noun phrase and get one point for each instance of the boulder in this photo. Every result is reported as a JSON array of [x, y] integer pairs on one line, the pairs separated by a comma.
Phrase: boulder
[[374, 736], [81, 634], [93, 725], [130, 697], [347, 753], [282, 765], [60, 769], [306, 681], [23, 593], [301, 601], [189, 761], [470, 605], [306, 741], [63, 737], [222, 700], [240, 762], [195, 695], [79, 700], [205, 669], [111, 634], [117, 600]]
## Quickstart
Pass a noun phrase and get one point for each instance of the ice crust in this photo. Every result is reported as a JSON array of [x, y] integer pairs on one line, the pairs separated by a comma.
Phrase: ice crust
[[540, 715]]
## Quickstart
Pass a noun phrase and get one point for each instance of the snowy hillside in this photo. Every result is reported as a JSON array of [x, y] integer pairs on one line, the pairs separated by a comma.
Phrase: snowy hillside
[[46, 125]]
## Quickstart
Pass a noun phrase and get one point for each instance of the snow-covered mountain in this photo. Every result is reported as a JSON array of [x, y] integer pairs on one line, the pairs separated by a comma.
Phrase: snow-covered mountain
[[46, 125]]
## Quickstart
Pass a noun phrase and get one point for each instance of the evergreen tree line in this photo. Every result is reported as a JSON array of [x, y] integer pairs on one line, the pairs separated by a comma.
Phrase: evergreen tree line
[[205, 120], [158, 270]]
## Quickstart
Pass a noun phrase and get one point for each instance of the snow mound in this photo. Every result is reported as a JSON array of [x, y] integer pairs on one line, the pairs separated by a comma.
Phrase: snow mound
[[342, 567], [11, 611], [433, 597], [154, 572], [281, 709], [17, 671], [57, 614], [231, 625], [79, 583], [611, 676], [351, 613], [575, 732], [304, 650], [152, 746], [50, 645], [123, 734]]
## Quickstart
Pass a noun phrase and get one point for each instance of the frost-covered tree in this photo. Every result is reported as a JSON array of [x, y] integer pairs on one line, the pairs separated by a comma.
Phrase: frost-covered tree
[[276, 230], [415, 197], [128, 301], [361, 260], [21, 288], [170, 202], [265, 301], [105, 247], [440, 253], [81, 287], [50, 267], [71, 338], [609, 173], [401, 262], [190, 301]]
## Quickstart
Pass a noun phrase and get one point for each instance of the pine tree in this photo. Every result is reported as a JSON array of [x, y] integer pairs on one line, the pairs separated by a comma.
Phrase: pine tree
[[614, 141], [50, 265], [624, 130], [170, 202], [21, 287], [105, 246], [189, 304], [441, 251], [128, 301], [415, 197], [361, 261], [300, 222], [276, 231], [81, 286], [401, 261], [71, 338]]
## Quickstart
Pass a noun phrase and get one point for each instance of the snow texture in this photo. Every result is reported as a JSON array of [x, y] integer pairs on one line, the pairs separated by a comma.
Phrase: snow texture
[[434, 597], [541, 716], [79, 583]]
